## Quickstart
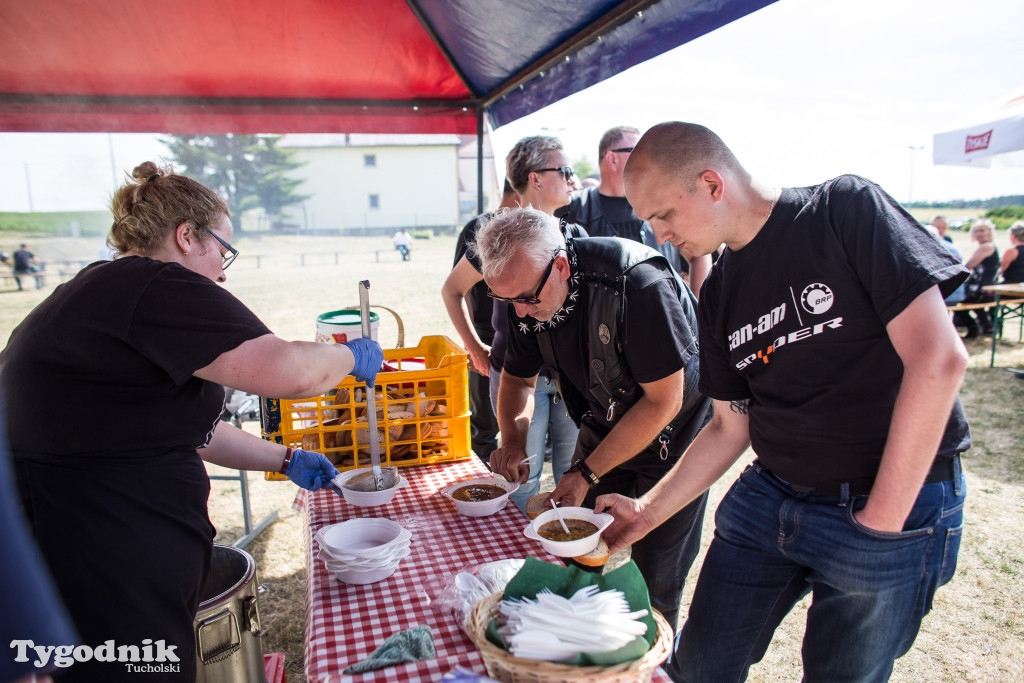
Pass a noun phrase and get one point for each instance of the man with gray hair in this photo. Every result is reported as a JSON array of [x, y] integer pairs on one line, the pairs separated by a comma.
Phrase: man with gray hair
[[615, 327]]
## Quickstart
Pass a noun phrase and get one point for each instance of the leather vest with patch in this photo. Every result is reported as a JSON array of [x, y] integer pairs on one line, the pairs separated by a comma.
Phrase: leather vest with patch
[[603, 265]]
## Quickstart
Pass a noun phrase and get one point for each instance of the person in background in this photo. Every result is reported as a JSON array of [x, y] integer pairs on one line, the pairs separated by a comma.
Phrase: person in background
[[1012, 265], [115, 489], [403, 243], [614, 326], [941, 225], [604, 211], [840, 370], [25, 263], [957, 295], [470, 310], [984, 267]]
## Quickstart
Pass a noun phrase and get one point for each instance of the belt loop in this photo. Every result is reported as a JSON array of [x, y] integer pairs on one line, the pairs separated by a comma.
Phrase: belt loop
[[844, 494], [957, 476]]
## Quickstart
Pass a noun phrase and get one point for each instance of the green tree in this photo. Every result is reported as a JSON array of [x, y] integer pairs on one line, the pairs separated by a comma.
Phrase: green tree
[[249, 171], [584, 167]]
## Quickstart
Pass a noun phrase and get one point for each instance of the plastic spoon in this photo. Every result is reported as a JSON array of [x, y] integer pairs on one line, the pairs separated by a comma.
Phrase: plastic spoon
[[558, 513]]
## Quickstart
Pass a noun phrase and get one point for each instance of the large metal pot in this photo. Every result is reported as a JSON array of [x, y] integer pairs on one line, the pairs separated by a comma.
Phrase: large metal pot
[[228, 631]]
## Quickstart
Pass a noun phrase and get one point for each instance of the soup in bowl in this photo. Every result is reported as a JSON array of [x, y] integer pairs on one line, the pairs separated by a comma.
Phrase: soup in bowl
[[479, 497], [585, 527]]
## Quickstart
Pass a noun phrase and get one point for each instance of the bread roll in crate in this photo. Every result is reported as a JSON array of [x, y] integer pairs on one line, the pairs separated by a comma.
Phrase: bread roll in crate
[[422, 400]]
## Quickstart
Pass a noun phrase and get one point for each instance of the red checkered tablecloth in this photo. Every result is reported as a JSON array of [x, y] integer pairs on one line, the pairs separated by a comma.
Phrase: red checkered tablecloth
[[345, 623]]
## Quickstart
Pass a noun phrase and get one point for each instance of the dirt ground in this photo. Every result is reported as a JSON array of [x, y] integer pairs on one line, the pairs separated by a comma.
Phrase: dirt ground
[[975, 631]]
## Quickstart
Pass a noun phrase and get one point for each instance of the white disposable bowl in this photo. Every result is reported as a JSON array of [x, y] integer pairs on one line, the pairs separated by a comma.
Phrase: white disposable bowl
[[359, 577], [484, 507], [365, 565], [362, 537], [575, 548], [367, 498], [356, 561]]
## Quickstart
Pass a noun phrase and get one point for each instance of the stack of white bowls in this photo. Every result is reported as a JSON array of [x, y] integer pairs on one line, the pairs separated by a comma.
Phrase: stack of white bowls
[[363, 550]]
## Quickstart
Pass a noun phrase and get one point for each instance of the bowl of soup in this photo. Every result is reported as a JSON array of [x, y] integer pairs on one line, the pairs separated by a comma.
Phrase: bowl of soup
[[479, 497], [585, 527]]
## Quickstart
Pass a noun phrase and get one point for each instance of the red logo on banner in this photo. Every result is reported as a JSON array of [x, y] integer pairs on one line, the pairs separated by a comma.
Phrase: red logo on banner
[[976, 142]]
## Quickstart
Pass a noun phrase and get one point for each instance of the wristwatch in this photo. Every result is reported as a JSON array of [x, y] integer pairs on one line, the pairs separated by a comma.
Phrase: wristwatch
[[587, 473]]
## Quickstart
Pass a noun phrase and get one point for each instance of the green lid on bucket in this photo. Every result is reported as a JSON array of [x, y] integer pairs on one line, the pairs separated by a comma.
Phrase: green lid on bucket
[[348, 316]]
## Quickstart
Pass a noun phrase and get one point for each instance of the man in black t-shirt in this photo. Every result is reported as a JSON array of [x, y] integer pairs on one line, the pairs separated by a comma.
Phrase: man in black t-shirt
[[614, 327], [826, 346], [25, 263]]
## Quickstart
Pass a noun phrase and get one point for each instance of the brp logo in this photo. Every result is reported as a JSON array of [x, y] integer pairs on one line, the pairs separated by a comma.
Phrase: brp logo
[[816, 298]]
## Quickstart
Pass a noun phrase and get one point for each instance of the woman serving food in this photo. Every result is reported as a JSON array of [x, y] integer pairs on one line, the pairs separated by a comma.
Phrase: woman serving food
[[115, 386]]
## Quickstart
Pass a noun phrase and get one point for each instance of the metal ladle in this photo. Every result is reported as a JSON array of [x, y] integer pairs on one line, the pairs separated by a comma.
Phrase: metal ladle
[[371, 398]]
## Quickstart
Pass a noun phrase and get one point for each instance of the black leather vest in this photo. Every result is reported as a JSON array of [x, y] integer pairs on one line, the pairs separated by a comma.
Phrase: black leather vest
[[603, 264]]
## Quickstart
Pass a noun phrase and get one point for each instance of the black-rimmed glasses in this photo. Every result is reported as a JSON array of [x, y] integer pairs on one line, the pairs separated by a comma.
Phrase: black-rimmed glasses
[[228, 258], [535, 299], [566, 171], [624, 150]]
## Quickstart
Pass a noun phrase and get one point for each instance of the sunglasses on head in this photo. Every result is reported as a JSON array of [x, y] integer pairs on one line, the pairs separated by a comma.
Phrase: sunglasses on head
[[566, 171], [535, 299], [624, 150]]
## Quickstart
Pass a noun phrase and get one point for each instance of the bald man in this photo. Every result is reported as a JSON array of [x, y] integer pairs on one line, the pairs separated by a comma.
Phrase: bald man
[[604, 211], [826, 347]]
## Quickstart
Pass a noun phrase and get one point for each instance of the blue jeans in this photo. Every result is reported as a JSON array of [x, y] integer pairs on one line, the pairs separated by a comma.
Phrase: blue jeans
[[548, 417], [870, 589]]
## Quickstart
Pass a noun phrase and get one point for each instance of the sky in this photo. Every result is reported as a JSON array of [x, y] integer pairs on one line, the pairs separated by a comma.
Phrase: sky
[[801, 90]]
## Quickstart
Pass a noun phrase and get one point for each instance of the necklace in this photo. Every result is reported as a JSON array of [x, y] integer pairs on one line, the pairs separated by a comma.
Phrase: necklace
[[775, 198]]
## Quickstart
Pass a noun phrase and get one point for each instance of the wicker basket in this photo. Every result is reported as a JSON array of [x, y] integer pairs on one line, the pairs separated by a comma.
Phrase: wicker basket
[[503, 666]]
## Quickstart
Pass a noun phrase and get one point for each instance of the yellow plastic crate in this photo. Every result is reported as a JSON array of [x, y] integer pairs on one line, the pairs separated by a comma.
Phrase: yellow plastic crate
[[422, 405]]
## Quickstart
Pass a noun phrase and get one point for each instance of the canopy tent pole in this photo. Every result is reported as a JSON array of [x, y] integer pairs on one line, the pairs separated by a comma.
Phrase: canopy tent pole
[[479, 161]]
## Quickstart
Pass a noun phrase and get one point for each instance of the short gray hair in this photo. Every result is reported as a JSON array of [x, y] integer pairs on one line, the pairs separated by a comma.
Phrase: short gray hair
[[614, 136], [1018, 230], [528, 155], [538, 234]]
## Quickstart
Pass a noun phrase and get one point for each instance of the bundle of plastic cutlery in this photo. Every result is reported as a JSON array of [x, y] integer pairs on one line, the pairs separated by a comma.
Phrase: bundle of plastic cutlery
[[553, 628]]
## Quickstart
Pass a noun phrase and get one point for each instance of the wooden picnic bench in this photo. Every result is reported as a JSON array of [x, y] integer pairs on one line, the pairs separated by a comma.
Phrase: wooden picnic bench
[[982, 305], [9, 279]]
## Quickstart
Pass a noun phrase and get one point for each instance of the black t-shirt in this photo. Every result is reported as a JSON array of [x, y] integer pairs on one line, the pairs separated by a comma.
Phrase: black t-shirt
[[1015, 271], [23, 259], [104, 366], [795, 321], [481, 305], [656, 338]]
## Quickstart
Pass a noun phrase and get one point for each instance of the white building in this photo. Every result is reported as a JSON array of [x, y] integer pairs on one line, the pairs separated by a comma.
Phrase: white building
[[375, 184]]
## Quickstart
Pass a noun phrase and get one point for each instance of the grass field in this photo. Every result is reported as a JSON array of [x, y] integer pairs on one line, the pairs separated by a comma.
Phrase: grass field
[[974, 633]]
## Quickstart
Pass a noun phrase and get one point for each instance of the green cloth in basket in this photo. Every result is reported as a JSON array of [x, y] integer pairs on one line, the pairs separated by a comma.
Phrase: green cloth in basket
[[537, 575]]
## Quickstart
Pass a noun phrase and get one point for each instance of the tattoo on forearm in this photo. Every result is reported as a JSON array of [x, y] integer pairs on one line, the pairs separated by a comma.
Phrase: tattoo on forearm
[[739, 406]]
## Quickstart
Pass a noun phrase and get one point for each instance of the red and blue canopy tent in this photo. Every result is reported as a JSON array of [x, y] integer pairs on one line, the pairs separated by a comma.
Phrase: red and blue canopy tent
[[322, 66]]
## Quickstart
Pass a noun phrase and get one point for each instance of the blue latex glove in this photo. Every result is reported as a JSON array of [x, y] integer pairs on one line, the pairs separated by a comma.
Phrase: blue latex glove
[[369, 357], [311, 471]]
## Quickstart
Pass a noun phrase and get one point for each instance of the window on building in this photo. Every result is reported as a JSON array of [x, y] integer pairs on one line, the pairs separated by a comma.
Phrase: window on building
[[374, 202], [370, 160]]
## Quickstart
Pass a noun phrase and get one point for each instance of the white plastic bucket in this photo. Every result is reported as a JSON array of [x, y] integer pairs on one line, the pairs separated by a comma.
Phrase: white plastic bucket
[[335, 327]]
